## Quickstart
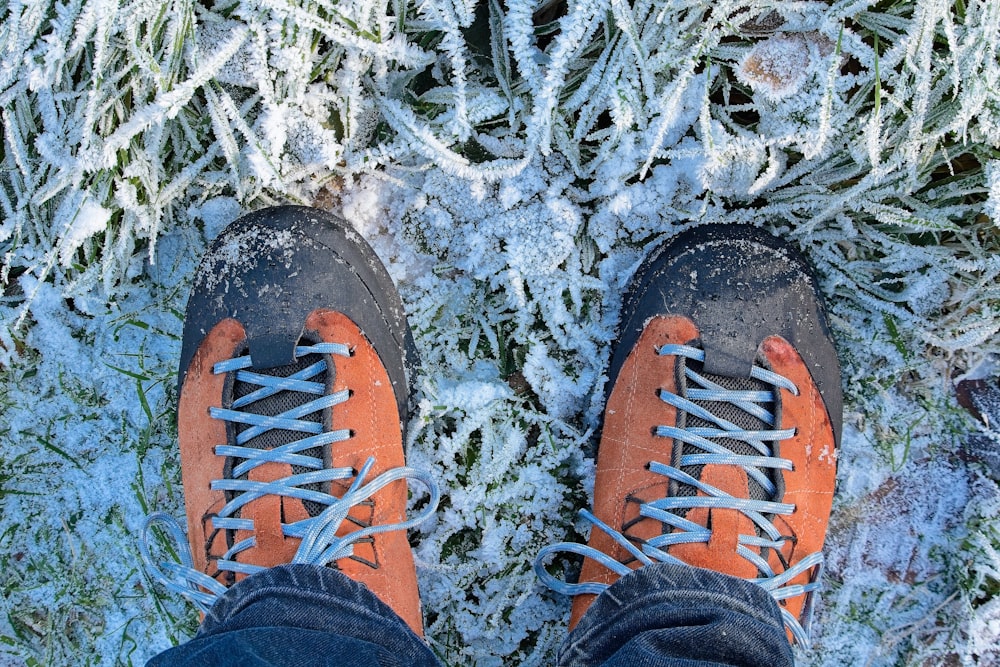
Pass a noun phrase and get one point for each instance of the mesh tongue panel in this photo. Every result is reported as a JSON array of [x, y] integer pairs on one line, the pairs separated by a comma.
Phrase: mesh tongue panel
[[276, 404], [730, 413]]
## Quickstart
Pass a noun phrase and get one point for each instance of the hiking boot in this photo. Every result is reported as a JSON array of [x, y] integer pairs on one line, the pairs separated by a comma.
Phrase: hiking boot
[[293, 387], [722, 423]]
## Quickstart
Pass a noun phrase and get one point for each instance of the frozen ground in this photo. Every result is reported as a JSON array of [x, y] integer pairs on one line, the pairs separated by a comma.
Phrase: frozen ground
[[511, 163]]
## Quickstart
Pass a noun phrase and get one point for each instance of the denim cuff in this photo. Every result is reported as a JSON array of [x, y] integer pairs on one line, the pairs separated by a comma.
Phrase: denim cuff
[[679, 616], [298, 615], [300, 596]]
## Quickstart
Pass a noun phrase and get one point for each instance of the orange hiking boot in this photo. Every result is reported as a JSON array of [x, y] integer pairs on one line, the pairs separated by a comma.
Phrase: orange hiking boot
[[721, 426], [293, 383]]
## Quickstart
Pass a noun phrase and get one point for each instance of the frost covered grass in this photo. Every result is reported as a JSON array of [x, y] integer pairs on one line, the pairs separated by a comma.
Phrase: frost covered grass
[[512, 163]]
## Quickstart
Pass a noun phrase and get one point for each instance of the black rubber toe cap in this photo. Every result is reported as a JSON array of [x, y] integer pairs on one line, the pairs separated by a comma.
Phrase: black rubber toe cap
[[273, 267], [739, 285]]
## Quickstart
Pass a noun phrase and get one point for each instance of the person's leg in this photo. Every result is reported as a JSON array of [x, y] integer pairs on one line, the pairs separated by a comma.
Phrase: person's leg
[[294, 615], [717, 461], [679, 616], [293, 400]]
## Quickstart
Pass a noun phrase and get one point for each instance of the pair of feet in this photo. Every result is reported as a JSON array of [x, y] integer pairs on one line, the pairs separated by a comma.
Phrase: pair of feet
[[718, 447]]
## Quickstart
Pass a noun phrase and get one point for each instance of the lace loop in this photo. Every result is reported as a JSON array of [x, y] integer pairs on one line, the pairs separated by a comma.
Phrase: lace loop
[[320, 545], [178, 578]]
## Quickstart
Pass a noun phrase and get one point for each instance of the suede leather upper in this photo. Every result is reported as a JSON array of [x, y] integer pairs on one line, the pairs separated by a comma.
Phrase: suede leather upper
[[385, 564]]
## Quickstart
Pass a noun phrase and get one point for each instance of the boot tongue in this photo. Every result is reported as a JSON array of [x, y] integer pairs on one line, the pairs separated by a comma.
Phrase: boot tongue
[[276, 404], [726, 526], [732, 414], [268, 513]]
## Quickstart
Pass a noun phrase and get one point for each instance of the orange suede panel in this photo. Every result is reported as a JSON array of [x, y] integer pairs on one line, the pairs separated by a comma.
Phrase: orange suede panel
[[812, 451], [628, 444], [198, 434], [372, 416]]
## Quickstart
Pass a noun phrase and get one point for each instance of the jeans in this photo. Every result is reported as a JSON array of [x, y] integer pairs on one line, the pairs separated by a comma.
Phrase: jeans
[[662, 614]]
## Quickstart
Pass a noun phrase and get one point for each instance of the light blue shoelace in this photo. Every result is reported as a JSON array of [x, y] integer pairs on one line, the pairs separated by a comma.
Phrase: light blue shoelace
[[320, 544], [685, 532]]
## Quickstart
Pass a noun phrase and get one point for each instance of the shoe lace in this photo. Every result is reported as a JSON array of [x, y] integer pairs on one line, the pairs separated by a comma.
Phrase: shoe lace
[[670, 510], [319, 544]]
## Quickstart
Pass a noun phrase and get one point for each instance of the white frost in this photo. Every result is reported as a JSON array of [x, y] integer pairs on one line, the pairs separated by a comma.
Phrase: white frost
[[91, 218]]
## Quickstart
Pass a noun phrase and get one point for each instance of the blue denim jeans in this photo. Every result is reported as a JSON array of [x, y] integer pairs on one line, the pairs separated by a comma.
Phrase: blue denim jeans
[[663, 614]]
